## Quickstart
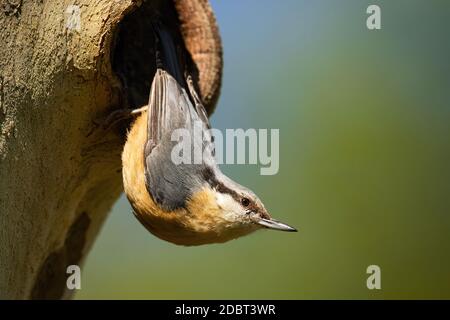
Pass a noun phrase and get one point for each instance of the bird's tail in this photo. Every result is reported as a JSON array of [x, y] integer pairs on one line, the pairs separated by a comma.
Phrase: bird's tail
[[169, 57]]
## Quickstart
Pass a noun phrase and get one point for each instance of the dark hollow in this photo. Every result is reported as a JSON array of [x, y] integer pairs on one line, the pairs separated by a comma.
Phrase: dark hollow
[[133, 55]]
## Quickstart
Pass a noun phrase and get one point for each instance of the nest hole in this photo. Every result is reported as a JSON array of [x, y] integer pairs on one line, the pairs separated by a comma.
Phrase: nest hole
[[133, 55]]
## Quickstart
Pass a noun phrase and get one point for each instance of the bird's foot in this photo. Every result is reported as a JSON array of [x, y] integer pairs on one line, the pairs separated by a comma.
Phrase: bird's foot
[[115, 117]]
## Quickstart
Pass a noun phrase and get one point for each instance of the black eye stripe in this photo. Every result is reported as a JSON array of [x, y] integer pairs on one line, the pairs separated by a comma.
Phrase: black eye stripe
[[211, 179]]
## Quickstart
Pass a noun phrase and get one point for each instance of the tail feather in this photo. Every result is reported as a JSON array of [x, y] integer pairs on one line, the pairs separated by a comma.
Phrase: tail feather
[[167, 56]]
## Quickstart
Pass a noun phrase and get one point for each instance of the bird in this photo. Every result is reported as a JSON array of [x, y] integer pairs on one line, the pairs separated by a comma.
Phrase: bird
[[185, 204]]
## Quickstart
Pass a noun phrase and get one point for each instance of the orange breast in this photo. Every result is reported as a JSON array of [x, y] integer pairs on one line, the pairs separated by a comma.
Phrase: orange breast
[[200, 223]]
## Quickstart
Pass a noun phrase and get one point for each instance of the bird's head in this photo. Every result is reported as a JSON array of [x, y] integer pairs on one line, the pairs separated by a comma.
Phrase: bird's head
[[243, 206], [227, 210]]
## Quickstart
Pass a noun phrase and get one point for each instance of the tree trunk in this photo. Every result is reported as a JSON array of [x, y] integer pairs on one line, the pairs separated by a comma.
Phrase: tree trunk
[[64, 66]]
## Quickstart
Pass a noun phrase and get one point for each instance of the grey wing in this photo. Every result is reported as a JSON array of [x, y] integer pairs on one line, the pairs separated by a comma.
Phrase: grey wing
[[169, 182]]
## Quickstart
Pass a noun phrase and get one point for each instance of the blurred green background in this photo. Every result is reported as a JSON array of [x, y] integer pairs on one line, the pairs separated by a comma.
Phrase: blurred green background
[[364, 119]]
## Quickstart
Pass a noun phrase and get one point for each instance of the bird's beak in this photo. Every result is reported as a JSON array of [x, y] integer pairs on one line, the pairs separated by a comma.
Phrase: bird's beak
[[275, 225]]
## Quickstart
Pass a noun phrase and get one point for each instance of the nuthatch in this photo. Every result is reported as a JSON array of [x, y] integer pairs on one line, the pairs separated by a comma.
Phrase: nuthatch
[[186, 204]]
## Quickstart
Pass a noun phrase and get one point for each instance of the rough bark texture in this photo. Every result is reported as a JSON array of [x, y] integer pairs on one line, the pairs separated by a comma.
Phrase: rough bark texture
[[59, 172]]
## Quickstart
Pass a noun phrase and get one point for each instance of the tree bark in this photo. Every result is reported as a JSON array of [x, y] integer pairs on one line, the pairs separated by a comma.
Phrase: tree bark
[[60, 172]]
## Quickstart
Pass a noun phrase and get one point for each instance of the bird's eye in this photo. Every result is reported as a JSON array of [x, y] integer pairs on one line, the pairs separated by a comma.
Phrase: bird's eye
[[245, 202]]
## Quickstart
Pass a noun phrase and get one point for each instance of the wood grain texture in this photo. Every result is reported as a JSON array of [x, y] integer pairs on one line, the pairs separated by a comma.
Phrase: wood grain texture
[[202, 39]]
